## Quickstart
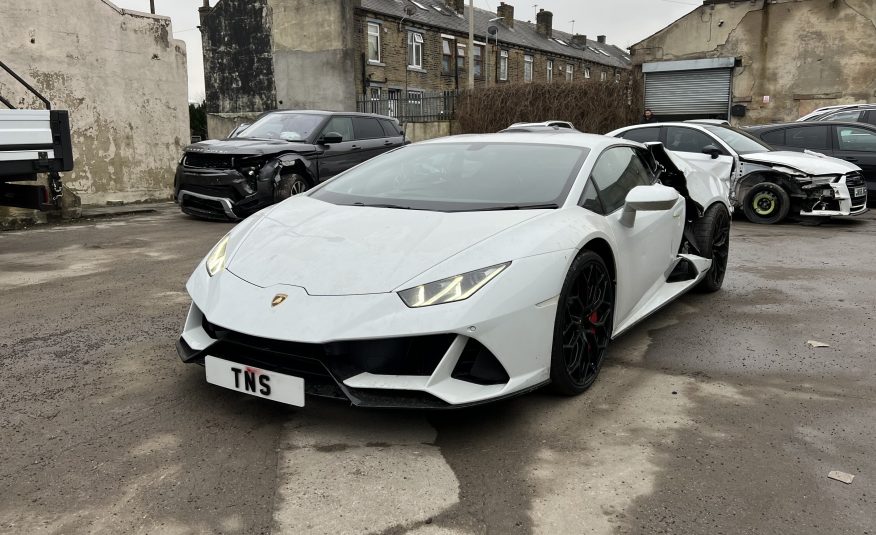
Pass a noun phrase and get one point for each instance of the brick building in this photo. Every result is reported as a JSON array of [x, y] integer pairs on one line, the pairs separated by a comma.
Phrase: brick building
[[266, 54]]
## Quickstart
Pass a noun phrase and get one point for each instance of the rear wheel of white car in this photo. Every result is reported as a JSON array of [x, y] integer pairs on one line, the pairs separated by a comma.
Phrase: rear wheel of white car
[[582, 328], [289, 185], [766, 203], [713, 237]]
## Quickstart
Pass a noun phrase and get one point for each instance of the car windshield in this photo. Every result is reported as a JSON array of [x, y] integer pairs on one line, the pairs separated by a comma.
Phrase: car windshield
[[740, 141], [285, 126], [458, 176]]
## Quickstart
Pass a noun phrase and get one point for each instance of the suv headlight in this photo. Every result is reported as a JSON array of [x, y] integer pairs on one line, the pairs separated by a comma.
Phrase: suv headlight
[[216, 259], [451, 289]]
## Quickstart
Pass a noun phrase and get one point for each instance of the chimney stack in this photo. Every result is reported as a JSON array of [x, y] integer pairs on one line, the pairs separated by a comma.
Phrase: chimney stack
[[579, 40], [600, 39], [507, 13], [456, 5], [544, 23], [203, 11]]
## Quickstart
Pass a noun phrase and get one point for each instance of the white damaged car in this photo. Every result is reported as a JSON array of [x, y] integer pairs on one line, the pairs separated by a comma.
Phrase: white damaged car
[[456, 271], [766, 184]]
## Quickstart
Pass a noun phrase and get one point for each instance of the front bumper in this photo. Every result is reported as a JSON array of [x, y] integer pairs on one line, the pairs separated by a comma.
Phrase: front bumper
[[842, 201], [374, 351], [224, 194]]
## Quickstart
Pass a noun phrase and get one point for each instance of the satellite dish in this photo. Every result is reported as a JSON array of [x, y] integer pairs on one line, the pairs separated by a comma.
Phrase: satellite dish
[[493, 30]]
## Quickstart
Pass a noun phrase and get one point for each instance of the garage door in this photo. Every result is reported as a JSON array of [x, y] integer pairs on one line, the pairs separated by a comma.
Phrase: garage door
[[700, 93]]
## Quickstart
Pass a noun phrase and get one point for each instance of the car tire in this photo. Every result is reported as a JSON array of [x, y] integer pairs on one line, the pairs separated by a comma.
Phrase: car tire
[[712, 232], [289, 185], [583, 325], [766, 204]]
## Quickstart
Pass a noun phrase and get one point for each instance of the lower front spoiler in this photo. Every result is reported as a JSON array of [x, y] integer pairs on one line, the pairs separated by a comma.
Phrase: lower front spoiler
[[206, 210], [320, 381], [836, 213]]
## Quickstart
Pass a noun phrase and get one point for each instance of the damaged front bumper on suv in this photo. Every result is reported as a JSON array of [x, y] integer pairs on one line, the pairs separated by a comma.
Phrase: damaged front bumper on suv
[[832, 196], [222, 186]]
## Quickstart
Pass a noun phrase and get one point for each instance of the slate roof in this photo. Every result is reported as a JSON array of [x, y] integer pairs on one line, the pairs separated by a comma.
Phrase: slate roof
[[523, 34]]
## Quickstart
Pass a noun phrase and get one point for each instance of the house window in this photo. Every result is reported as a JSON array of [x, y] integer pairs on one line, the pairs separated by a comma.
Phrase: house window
[[602, 76], [570, 72], [460, 56], [415, 50], [446, 56], [586, 72], [374, 42], [550, 70], [527, 68], [479, 61], [503, 65], [617, 77]]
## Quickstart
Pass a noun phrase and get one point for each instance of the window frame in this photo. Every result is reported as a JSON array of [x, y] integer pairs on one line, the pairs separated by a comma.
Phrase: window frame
[[838, 141], [502, 66], [447, 58], [587, 73], [827, 138], [570, 72], [528, 67], [461, 51], [599, 196], [479, 51], [379, 28], [550, 71], [415, 50]]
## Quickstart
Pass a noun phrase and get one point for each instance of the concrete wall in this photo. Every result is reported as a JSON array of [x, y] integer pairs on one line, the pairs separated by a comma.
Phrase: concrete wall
[[314, 36], [422, 131], [123, 79], [238, 56], [802, 54], [220, 124]]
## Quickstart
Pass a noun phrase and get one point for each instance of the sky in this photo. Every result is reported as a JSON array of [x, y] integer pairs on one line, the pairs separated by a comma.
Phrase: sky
[[624, 22]]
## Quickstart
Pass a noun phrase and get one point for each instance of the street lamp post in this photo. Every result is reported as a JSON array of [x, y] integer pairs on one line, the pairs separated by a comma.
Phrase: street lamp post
[[471, 14]]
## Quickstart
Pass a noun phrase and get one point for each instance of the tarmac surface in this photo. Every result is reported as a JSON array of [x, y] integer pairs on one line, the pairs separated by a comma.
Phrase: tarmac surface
[[711, 417]]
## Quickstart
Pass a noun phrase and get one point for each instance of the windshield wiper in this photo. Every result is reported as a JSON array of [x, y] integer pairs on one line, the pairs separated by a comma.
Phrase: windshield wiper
[[395, 206], [548, 206]]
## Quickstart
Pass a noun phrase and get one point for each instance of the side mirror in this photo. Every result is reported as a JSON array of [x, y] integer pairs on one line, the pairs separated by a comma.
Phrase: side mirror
[[330, 138], [712, 151], [656, 198]]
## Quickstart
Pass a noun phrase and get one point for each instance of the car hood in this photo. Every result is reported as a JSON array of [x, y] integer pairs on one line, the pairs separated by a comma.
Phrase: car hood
[[248, 146], [807, 163], [329, 249]]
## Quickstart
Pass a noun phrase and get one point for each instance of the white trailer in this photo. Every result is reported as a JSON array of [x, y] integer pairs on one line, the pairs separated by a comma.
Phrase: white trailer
[[32, 143]]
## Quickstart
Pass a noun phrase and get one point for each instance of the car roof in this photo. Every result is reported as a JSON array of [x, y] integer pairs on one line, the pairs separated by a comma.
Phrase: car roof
[[557, 137], [797, 124], [326, 112]]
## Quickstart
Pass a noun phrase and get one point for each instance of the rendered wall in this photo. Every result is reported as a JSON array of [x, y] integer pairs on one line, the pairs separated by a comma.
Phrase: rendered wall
[[802, 54], [314, 36], [122, 78]]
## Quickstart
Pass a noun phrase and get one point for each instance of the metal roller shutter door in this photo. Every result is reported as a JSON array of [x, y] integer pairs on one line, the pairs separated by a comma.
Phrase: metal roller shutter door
[[703, 92]]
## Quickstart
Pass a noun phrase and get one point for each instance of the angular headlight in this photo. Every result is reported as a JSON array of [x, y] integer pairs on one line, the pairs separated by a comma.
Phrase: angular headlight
[[450, 289], [216, 259]]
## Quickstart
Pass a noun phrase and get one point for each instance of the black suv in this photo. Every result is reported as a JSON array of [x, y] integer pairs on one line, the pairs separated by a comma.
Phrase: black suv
[[281, 154]]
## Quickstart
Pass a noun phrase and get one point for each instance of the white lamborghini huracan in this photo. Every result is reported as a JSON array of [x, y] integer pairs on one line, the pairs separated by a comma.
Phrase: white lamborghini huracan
[[456, 271]]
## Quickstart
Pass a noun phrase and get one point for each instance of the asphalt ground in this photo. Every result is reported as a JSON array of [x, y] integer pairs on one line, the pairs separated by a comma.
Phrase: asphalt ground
[[711, 417]]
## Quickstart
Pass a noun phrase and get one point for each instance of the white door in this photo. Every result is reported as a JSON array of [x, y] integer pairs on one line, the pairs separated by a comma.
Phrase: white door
[[650, 245], [689, 144]]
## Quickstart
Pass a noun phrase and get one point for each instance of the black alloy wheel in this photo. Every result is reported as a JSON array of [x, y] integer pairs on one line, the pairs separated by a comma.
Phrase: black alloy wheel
[[583, 325], [766, 203], [713, 236], [290, 185]]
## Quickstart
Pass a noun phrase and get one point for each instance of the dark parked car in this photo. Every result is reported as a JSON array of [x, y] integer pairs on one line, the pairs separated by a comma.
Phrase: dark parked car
[[281, 154], [853, 142]]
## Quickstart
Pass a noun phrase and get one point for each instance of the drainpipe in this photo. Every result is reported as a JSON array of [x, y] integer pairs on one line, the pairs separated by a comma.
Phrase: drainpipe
[[152, 6]]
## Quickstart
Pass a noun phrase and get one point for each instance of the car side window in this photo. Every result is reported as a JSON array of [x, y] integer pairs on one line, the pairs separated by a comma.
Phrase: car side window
[[856, 139], [590, 199], [847, 115], [643, 135], [340, 125], [808, 137], [618, 171], [390, 129], [774, 137], [681, 139], [367, 128]]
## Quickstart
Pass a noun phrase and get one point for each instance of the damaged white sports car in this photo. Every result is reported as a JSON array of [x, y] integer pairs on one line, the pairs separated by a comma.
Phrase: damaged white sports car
[[768, 185], [456, 271]]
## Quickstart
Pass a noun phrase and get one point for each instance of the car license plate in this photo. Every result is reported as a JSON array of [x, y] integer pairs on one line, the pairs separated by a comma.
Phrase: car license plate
[[254, 381], [859, 192]]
